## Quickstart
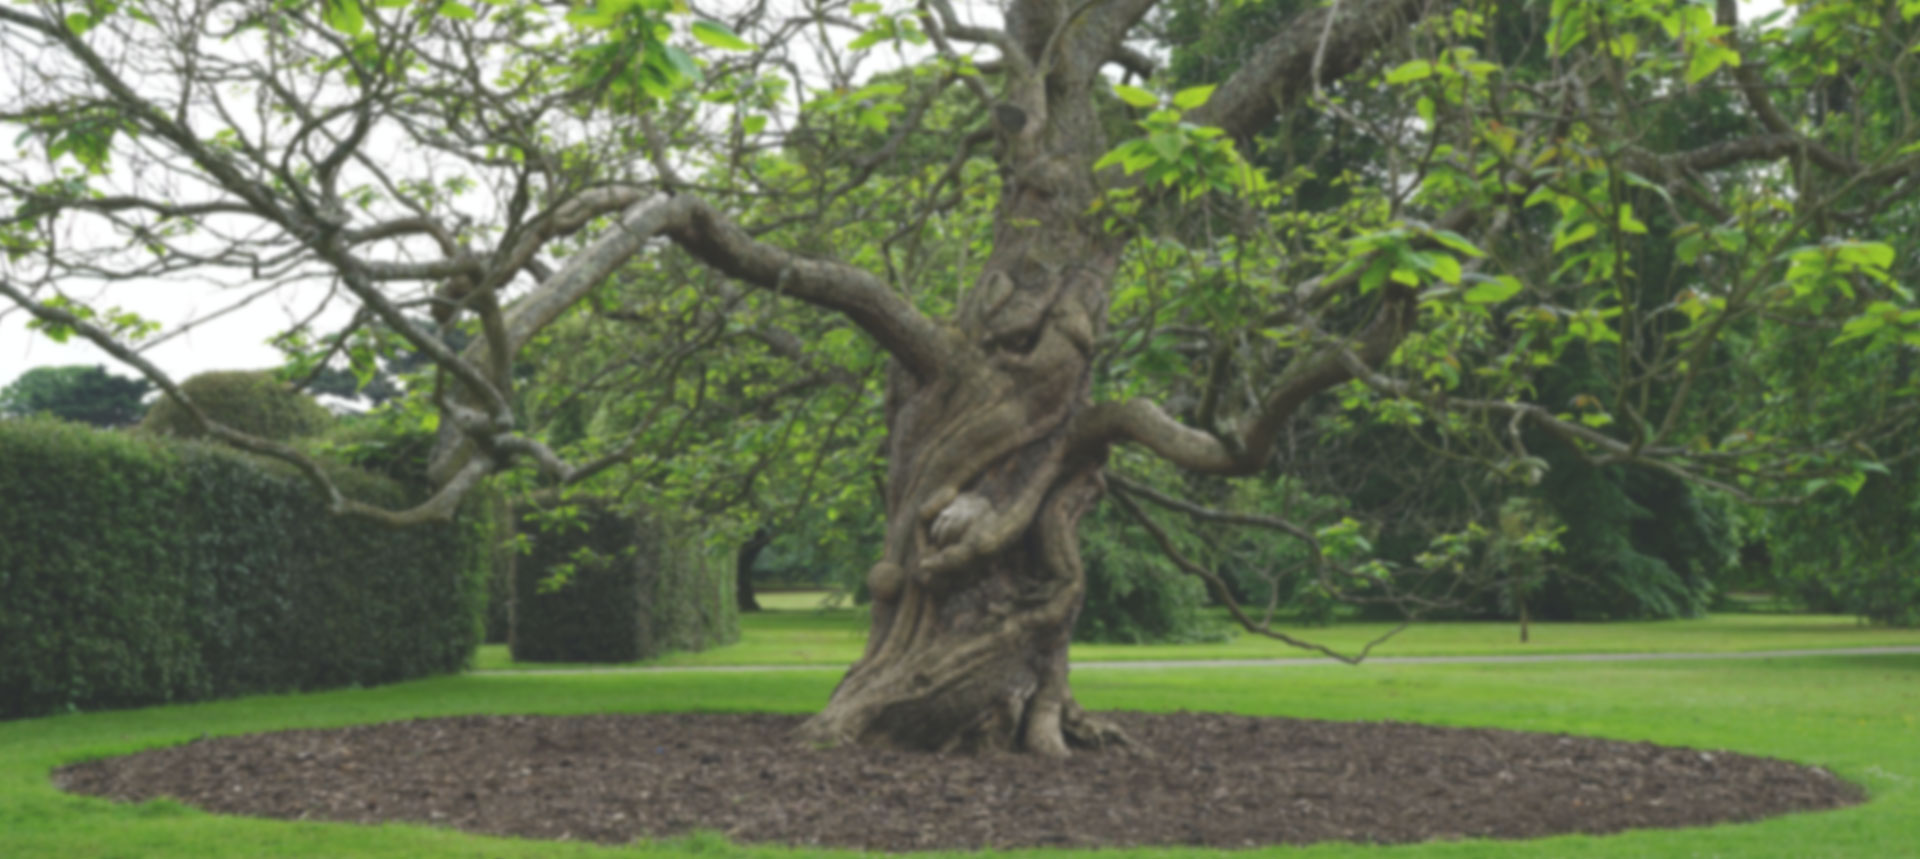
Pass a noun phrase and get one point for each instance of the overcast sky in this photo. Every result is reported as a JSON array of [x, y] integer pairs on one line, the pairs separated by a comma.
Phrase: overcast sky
[[236, 340]]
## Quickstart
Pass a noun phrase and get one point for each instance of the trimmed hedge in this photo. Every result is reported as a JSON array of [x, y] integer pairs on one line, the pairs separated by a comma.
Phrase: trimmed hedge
[[252, 401], [136, 570], [628, 588]]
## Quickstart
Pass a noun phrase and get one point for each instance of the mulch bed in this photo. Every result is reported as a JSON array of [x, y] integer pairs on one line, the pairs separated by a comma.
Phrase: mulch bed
[[1217, 780]]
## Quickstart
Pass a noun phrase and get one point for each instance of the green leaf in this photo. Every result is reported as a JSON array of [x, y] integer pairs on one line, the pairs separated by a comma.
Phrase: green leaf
[[682, 64], [1114, 156], [717, 35], [877, 91], [344, 16], [457, 11], [1494, 291], [79, 23], [1573, 237], [1873, 254], [1730, 239], [1690, 248], [1852, 483], [1410, 71], [1457, 243], [1168, 145], [1192, 97], [753, 124], [1135, 96], [1444, 267], [1707, 59], [865, 8], [1376, 273], [1628, 223], [593, 17], [1860, 326]]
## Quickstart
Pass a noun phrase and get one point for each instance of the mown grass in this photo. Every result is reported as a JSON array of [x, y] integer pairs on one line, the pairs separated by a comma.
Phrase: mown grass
[[1854, 715], [796, 631]]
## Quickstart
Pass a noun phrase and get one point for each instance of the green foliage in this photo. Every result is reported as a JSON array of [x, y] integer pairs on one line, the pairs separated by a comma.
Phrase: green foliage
[[599, 584], [1638, 545], [390, 442], [1174, 153], [1135, 595], [250, 401], [77, 393], [1736, 331], [1856, 552], [139, 571], [395, 442]]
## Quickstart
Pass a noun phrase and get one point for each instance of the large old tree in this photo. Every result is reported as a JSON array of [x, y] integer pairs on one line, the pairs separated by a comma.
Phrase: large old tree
[[503, 163]]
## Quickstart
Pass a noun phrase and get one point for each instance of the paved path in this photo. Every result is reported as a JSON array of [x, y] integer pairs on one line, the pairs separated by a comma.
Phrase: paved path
[[1302, 661]]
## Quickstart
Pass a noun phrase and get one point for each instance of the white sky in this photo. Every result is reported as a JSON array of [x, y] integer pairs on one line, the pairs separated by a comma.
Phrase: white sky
[[238, 339], [233, 342]]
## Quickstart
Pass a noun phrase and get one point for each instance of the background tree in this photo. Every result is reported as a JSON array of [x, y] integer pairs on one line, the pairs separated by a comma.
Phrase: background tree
[[78, 393], [1146, 300]]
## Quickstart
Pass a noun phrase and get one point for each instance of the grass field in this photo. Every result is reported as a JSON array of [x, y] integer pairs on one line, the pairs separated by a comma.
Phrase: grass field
[[1854, 715], [796, 631], [1858, 716]]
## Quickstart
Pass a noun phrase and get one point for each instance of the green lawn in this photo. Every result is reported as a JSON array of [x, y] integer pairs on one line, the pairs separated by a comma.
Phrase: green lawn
[[794, 632], [1855, 715]]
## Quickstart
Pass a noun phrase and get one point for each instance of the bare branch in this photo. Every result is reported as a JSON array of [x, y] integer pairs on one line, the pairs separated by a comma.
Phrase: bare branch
[[1225, 596]]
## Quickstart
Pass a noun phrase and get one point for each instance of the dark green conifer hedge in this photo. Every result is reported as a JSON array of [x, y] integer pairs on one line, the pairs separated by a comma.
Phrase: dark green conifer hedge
[[601, 584], [136, 570]]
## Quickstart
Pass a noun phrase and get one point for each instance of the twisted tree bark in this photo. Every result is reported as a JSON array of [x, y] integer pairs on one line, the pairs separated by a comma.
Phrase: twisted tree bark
[[981, 582], [995, 456]]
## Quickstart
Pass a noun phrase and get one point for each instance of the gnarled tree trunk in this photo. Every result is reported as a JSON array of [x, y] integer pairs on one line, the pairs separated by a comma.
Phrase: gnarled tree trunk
[[995, 450], [981, 582], [976, 596]]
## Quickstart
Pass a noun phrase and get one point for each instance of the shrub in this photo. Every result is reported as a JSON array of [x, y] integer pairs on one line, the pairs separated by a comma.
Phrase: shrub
[[1857, 553], [599, 584], [1135, 594], [141, 571], [250, 401], [397, 445]]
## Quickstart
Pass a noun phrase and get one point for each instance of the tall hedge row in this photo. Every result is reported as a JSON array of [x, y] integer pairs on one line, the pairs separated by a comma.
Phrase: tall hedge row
[[603, 585], [136, 570]]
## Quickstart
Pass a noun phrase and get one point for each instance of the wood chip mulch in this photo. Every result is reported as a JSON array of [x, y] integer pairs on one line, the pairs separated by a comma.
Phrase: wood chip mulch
[[1215, 780]]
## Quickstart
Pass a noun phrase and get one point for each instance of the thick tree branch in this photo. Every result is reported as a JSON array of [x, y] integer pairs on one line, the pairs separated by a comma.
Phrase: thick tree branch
[[1754, 88], [1282, 69], [695, 225], [1142, 422]]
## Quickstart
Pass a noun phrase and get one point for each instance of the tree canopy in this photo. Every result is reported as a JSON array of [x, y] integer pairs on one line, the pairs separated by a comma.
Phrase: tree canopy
[[1411, 272], [88, 394]]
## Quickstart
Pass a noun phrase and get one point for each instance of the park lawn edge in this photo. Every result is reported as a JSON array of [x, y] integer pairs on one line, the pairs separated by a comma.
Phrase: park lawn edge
[[834, 637], [1813, 694]]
